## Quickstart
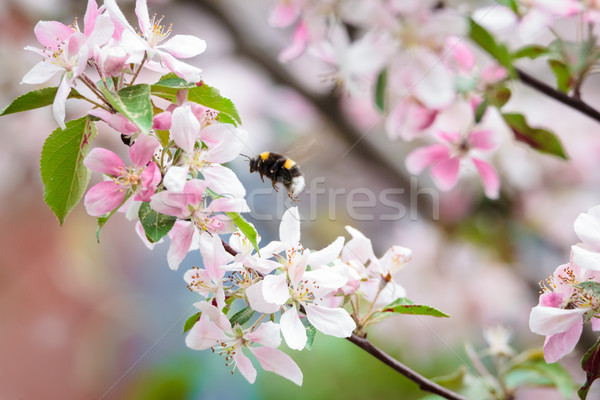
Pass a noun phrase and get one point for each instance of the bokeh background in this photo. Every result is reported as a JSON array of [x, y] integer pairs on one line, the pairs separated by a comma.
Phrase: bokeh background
[[87, 320]]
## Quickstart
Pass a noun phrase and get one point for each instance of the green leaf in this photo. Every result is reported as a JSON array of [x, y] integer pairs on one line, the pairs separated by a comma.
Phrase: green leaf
[[562, 74], [189, 323], [531, 51], [311, 332], [530, 369], [591, 366], [498, 95], [155, 224], [590, 286], [242, 316], [539, 139], [403, 305], [487, 42], [245, 227], [453, 381], [64, 176], [210, 97], [134, 103], [174, 82], [480, 111], [512, 4], [35, 99], [380, 87]]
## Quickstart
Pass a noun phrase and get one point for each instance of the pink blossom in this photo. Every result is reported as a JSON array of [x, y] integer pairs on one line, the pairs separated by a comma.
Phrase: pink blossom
[[445, 159], [141, 179], [561, 310], [147, 44], [190, 205], [213, 330]]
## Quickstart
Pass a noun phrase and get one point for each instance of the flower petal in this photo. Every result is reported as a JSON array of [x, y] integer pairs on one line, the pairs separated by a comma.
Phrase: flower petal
[[41, 72], [257, 301], [484, 139], [52, 33], [204, 334], [587, 228], [445, 173], [267, 334], [585, 257], [489, 178], [292, 329], [142, 150], [328, 254], [181, 69], [185, 128], [181, 241], [559, 345], [277, 361], [275, 289], [331, 321], [104, 161], [184, 46], [244, 365], [550, 320], [421, 158], [103, 198], [289, 229]]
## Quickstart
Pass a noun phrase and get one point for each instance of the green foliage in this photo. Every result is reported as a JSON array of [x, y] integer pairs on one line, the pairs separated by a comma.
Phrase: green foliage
[[512, 4], [591, 365], [591, 286], [562, 74], [246, 228], [311, 332], [242, 316], [169, 86], [404, 305], [486, 41], [380, 90], [541, 140], [189, 323], [480, 111], [64, 176], [531, 51], [155, 224], [35, 99], [134, 103]]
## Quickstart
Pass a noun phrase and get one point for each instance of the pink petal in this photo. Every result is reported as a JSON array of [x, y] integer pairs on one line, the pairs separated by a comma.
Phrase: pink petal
[[104, 161], [408, 120], [170, 203], [289, 229], [103, 198], [299, 41], [552, 299], [558, 345], [256, 299], [228, 204], [292, 329], [184, 46], [117, 121], [244, 365], [275, 289], [185, 128], [595, 324], [181, 241], [214, 256], [277, 361], [229, 142], [52, 33], [181, 69], [150, 180], [550, 320], [489, 178], [91, 13], [141, 10], [215, 315], [331, 321], [298, 267], [445, 173], [204, 334], [484, 139], [283, 14], [462, 54], [266, 334], [162, 121], [421, 158], [142, 150]]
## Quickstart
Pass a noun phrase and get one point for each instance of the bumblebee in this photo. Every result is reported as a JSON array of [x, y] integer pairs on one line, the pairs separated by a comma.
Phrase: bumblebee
[[279, 168]]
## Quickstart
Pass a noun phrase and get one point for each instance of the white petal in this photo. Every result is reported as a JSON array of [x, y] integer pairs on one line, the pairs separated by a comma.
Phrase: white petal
[[184, 46], [176, 177], [277, 361], [326, 278], [257, 301], [550, 320], [331, 321], [328, 254], [585, 258], [275, 289], [289, 229], [292, 329], [587, 228], [266, 334], [41, 72]]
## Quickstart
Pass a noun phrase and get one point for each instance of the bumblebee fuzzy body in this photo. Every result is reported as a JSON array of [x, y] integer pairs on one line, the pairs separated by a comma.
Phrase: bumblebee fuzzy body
[[279, 168]]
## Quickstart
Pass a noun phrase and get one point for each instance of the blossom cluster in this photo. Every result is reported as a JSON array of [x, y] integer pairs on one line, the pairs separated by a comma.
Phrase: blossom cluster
[[176, 174], [416, 57], [571, 296]]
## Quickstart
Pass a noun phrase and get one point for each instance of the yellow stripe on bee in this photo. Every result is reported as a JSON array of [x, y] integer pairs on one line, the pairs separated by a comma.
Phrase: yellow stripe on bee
[[289, 163], [264, 155]]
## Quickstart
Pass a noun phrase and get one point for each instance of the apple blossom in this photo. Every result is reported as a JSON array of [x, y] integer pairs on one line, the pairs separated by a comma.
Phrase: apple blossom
[[587, 227]]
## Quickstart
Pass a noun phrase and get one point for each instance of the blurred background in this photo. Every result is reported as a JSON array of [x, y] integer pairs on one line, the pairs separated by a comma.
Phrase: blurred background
[[83, 320]]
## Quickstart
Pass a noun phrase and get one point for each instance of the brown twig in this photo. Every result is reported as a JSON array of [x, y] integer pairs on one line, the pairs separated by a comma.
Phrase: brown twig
[[228, 248], [549, 91], [424, 383]]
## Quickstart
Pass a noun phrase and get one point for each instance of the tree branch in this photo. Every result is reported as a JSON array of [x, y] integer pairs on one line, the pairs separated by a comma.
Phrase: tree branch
[[549, 91], [424, 383]]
